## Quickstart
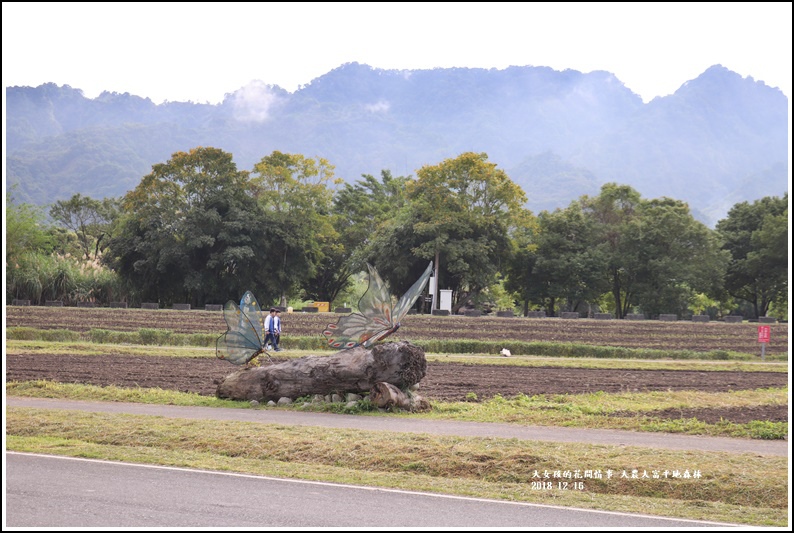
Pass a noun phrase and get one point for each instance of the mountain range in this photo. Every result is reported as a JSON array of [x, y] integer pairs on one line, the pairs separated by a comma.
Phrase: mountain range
[[718, 140]]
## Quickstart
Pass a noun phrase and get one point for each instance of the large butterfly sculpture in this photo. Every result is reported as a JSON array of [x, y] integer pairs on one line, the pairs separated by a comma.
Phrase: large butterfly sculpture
[[376, 318], [245, 337]]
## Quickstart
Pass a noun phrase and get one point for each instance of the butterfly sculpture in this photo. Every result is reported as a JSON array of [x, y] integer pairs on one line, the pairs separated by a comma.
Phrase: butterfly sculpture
[[376, 318], [245, 337]]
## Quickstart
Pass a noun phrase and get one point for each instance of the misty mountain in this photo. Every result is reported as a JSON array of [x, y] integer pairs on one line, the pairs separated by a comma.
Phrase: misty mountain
[[718, 140]]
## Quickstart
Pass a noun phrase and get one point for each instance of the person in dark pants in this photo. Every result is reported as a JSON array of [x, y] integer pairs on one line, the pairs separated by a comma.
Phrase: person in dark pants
[[277, 329], [272, 329]]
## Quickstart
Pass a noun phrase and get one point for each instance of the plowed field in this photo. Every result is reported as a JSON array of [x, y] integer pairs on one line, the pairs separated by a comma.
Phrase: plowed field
[[443, 381], [652, 334]]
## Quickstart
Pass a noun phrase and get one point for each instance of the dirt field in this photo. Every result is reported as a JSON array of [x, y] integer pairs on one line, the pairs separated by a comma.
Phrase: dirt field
[[650, 334], [443, 381]]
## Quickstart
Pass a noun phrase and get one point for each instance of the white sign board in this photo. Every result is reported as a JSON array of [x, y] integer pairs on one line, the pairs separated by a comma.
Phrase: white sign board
[[446, 299]]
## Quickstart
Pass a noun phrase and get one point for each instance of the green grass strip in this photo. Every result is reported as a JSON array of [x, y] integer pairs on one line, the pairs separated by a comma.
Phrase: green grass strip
[[593, 410], [164, 337]]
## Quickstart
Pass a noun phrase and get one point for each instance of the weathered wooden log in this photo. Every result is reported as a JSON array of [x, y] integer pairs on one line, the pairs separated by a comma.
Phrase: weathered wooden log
[[355, 370], [387, 395]]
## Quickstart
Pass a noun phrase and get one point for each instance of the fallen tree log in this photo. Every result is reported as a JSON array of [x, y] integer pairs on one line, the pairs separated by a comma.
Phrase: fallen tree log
[[357, 370], [385, 396]]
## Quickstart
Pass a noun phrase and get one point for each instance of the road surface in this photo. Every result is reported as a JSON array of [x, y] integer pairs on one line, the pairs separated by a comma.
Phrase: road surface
[[51, 491]]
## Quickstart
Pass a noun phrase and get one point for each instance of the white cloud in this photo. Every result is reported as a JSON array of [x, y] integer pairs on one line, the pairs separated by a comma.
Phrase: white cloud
[[252, 102], [164, 51], [381, 106]]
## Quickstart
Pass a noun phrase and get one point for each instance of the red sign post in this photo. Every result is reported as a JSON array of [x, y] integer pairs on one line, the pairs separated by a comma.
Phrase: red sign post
[[763, 337]]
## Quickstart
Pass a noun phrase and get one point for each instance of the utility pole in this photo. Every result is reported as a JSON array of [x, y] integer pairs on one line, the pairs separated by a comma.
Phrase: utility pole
[[435, 286]]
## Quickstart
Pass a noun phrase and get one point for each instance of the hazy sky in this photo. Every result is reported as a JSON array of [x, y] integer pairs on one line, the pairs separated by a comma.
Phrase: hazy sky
[[200, 51]]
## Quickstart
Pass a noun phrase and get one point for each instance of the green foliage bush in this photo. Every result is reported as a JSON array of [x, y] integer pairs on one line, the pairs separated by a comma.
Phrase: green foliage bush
[[108, 336], [154, 336], [50, 335], [149, 336], [200, 339], [764, 429], [303, 343], [550, 349], [39, 277]]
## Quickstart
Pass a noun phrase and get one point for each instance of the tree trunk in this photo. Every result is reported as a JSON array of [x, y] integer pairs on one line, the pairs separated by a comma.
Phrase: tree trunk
[[386, 396], [355, 370]]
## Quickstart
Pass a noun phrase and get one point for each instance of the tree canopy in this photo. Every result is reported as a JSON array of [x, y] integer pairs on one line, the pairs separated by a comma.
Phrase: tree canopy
[[89, 219], [191, 232], [198, 230], [294, 193], [462, 212], [756, 235], [25, 228]]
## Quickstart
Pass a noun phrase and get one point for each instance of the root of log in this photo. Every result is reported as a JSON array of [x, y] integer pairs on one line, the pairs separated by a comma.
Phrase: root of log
[[357, 370], [385, 395]]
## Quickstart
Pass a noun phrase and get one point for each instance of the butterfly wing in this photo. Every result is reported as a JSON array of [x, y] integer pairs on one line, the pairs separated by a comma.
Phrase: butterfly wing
[[370, 324], [353, 330], [408, 299], [250, 308], [244, 337], [375, 304]]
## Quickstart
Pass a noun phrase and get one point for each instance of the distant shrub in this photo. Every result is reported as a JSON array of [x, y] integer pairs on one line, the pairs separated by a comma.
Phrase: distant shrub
[[33, 334], [111, 337], [199, 339], [155, 336], [164, 337]]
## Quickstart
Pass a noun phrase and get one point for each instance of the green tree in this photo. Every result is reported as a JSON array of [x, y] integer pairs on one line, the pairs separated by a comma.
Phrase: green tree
[[570, 262], [360, 211], [657, 256], [392, 253], [462, 212], [27, 246], [756, 235], [89, 219], [519, 268], [191, 232], [611, 212], [25, 228], [675, 256], [294, 192]]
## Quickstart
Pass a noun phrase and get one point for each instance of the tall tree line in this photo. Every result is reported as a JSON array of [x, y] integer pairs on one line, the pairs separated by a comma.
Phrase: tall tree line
[[198, 230]]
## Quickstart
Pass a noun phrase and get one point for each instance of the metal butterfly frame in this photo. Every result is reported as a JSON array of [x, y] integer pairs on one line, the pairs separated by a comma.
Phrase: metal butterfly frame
[[377, 318], [245, 337]]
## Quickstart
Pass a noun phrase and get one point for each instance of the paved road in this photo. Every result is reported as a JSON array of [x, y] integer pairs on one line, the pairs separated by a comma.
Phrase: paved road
[[49, 491], [436, 427]]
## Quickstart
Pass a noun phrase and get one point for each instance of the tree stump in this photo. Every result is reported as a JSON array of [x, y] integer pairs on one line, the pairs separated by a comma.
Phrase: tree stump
[[357, 370], [385, 395]]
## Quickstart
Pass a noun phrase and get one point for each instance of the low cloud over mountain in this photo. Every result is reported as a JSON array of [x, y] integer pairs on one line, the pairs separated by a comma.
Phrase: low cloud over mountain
[[718, 140]]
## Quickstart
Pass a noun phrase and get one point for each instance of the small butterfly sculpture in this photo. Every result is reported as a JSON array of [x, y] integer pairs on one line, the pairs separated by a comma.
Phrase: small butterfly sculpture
[[245, 337], [376, 318]]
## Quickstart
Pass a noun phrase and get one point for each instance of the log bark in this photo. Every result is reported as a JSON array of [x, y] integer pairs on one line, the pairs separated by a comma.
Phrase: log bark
[[357, 370], [386, 395]]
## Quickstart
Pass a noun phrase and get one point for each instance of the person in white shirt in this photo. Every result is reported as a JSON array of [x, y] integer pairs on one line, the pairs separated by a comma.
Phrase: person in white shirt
[[272, 327]]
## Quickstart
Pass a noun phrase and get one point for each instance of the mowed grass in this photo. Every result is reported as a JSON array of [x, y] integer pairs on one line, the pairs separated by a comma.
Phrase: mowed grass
[[594, 410], [748, 489]]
